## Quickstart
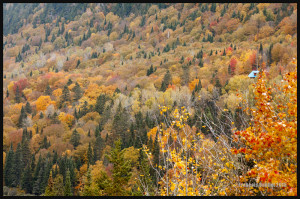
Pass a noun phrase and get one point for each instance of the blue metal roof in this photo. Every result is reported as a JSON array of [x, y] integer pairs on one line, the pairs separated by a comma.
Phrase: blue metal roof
[[253, 73]]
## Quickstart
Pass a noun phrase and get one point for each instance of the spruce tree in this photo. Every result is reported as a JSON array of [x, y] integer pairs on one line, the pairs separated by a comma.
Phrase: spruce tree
[[98, 147], [65, 94], [27, 180], [22, 117], [166, 81], [49, 189], [58, 185], [8, 168], [120, 121], [100, 102], [90, 155], [37, 184], [28, 108], [78, 92], [17, 95], [87, 191], [17, 167], [48, 90], [121, 172], [75, 138], [68, 188]]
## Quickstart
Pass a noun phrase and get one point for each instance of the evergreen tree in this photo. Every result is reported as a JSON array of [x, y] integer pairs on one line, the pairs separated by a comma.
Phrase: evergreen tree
[[78, 62], [98, 147], [58, 185], [8, 168], [37, 184], [50, 189], [65, 94], [27, 180], [78, 91], [68, 188], [46, 173], [22, 117], [69, 81], [88, 191], [121, 172], [17, 167], [238, 118], [229, 70], [53, 38], [28, 108], [76, 115], [166, 81], [156, 151], [90, 155], [120, 122], [17, 95], [132, 137], [32, 165], [41, 115], [97, 132], [261, 49], [48, 90], [144, 170], [75, 138], [213, 7]]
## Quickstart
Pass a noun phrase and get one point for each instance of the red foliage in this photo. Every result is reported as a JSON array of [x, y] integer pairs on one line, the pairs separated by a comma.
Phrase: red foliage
[[22, 83], [229, 49], [48, 75], [233, 62], [171, 86], [15, 137], [213, 23]]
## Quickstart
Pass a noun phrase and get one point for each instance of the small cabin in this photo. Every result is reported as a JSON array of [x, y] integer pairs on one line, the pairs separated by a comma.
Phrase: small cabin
[[253, 74]]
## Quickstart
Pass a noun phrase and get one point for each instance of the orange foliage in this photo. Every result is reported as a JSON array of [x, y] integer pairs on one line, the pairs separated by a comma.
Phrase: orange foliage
[[271, 139], [43, 102], [193, 84]]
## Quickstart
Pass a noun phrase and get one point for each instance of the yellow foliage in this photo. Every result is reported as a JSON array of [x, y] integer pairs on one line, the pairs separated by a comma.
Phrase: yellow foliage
[[43, 102], [57, 93], [193, 84]]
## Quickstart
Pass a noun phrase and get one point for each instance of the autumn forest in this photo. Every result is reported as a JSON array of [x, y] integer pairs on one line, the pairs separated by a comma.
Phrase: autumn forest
[[160, 99]]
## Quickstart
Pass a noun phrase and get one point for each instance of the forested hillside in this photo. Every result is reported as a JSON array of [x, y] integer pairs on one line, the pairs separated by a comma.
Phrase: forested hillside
[[149, 99]]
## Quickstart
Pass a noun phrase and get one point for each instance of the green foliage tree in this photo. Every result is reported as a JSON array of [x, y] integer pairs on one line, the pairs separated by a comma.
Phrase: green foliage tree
[[75, 138], [8, 168], [68, 188], [121, 172], [28, 108], [26, 182], [100, 103], [22, 117], [166, 81], [65, 94], [88, 190], [78, 92], [17, 95], [90, 155], [50, 188], [120, 122], [17, 167], [58, 185]]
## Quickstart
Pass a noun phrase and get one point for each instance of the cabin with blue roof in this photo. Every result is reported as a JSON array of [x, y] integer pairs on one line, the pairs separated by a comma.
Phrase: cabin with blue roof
[[253, 74]]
